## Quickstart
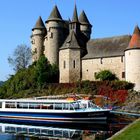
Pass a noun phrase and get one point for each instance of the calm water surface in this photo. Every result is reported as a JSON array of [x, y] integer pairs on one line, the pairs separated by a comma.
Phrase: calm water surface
[[97, 131]]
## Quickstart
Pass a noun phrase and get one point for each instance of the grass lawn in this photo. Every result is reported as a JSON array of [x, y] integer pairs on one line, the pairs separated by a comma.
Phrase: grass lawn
[[130, 133]]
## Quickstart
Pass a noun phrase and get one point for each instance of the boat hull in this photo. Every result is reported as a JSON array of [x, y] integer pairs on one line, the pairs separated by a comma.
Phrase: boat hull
[[54, 118]]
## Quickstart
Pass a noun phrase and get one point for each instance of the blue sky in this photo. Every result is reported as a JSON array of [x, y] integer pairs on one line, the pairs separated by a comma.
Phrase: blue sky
[[17, 18]]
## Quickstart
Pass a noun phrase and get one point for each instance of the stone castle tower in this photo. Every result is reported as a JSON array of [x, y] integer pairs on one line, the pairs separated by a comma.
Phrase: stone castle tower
[[132, 59], [55, 37], [67, 44], [37, 39]]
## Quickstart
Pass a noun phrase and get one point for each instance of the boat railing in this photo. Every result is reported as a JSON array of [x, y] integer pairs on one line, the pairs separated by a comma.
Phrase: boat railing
[[35, 105]]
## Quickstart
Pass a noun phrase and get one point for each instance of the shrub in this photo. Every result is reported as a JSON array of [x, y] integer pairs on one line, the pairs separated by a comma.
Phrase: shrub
[[105, 75]]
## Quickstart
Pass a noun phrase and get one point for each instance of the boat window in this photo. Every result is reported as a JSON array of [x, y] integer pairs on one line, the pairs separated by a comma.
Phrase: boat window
[[71, 107], [66, 134], [83, 105], [58, 133], [50, 132], [34, 106], [0, 104], [37, 131], [68, 106], [76, 105], [44, 131], [31, 130], [22, 105], [19, 129], [46, 106], [12, 129], [91, 105], [58, 106], [24, 130], [10, 105], [65, 106]]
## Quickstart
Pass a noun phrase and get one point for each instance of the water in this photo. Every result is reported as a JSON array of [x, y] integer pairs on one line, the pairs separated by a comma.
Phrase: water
[[96, 131]]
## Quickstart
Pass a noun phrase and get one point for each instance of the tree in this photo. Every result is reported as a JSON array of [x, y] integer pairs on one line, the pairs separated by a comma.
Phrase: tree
[[106, 75], [42, 71], [45, 72], [21, 57], [54, 74]]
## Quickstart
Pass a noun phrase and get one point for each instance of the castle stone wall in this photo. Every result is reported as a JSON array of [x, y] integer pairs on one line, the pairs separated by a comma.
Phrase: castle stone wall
[[132, 67], [91, 66], [69, 65], [64, 70]]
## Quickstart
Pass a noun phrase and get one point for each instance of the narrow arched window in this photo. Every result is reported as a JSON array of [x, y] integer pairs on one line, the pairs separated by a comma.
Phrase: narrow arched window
[[64, 64], [101, 60], [122, 59], [74, 64]]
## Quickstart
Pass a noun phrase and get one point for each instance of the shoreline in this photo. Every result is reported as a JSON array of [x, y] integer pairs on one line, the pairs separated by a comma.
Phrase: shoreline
[[124, 129]]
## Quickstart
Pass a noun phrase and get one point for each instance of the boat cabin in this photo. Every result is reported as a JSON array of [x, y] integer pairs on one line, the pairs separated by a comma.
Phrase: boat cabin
[[47, 104]]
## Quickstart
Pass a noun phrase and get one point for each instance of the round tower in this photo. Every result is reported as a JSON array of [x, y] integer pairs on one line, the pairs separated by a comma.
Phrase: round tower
[[132, 59], [37, 39], [85, 26], [54, 38]]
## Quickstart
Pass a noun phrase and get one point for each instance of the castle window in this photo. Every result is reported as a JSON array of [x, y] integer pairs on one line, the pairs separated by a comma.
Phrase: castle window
[[35, 51], [101, 60], [33, 41], [50, 35], [73, 63], [123, 74], [64, 64], [122, 59]]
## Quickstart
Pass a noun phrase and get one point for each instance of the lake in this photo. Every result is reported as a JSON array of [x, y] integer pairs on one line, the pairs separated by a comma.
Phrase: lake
[[96, 131]]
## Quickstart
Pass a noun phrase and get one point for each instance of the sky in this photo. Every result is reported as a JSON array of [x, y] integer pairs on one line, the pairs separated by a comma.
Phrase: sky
[[17, 18]]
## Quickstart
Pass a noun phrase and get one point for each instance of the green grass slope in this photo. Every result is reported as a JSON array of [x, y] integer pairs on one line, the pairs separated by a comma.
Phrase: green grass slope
[[132, 132]]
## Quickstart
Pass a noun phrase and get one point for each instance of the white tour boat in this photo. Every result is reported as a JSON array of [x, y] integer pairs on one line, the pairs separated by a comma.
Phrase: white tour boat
[[51, 111]]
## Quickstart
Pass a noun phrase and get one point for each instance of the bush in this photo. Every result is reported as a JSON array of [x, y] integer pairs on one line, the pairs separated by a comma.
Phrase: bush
[[106, 75]]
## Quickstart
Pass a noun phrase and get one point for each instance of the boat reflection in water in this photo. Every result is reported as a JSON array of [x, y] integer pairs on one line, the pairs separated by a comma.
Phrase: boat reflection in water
[[39, 131], [70, 131], [48, 132]]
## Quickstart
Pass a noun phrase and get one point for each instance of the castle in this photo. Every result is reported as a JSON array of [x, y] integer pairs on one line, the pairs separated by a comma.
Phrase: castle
[[67, 44]]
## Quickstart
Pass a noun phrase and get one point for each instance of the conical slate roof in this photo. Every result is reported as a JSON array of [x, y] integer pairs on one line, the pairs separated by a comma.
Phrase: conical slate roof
[[83, 18], [39, 24], [55, 14], [135, 39], [75, 15], [72, 41]]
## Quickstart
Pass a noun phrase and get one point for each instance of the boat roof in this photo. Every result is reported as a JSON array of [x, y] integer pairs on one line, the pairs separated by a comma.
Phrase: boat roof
[[38, 101]]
